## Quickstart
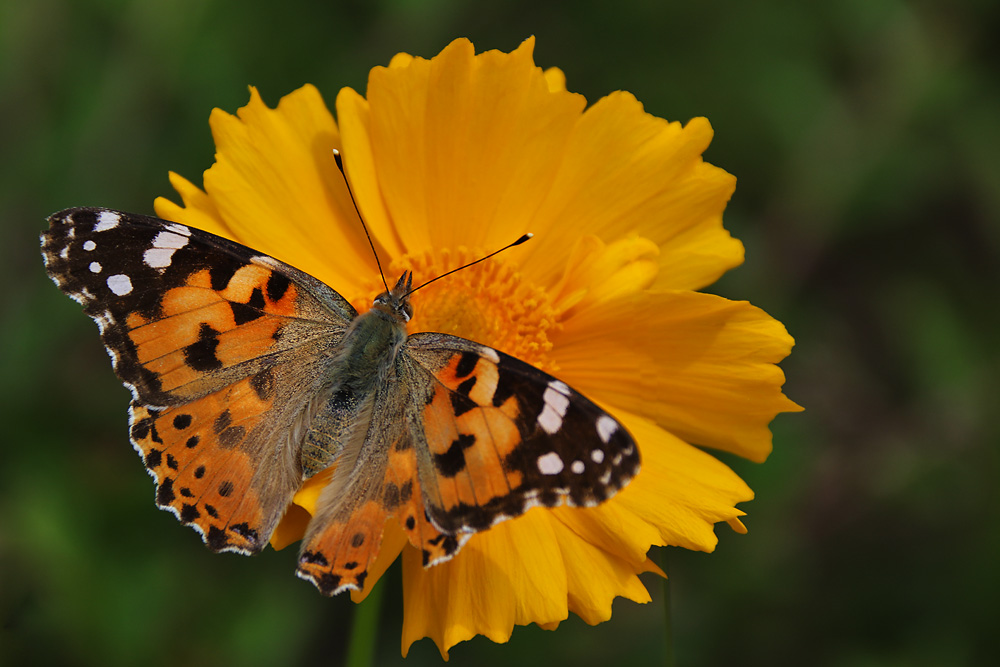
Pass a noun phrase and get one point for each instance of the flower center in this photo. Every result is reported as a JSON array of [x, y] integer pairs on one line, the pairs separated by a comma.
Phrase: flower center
[[488, 303]]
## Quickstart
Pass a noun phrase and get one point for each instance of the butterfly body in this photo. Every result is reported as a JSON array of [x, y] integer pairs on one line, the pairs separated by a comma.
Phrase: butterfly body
[[249, 377], [360, 361]]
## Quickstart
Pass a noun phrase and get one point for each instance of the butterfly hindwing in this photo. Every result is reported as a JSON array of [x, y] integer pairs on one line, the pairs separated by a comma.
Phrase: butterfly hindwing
[[218, 344]]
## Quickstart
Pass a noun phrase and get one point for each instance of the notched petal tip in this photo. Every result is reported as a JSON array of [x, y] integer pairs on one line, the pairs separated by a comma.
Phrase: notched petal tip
[[737, 526]]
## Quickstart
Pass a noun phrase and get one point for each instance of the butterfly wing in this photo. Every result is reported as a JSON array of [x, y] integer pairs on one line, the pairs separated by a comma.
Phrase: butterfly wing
[[500, 437], [461, 438], [220, 347]]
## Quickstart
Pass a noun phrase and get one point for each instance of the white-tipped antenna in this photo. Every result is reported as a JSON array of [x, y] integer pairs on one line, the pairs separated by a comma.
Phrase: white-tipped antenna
[[340, 165]]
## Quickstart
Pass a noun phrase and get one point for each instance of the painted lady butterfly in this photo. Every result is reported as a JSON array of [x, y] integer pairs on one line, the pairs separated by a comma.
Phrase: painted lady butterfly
[[249, 376]]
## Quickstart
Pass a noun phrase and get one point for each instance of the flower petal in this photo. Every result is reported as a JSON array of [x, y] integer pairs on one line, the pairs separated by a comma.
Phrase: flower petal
[[625, 171], [497, 580], [354, 114], [291, 528], [594, 578], [556, 79], [276, 187], [465, 146], [199, 211], [493, 583], [294, 523], [701, 366], [681, 492], [614, 527], [596, 272]]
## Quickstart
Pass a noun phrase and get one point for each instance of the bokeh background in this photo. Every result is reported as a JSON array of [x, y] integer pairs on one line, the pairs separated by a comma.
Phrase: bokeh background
[[866, 138]]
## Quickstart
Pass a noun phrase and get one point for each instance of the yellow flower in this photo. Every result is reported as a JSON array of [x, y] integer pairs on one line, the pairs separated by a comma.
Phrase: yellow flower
[[455, 156]]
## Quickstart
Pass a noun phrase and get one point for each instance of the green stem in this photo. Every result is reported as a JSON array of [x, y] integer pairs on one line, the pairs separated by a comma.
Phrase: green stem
[[668, 635], [364, 630]]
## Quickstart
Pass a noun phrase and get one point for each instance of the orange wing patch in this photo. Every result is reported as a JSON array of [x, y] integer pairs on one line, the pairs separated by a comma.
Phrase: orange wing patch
[[201, 329], [470, 434], [402, 495], [339, 557], [203, 474]]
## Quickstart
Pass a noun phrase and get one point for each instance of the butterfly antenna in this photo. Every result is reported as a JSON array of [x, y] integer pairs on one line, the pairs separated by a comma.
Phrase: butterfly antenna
[[340, 166], [521, 240]]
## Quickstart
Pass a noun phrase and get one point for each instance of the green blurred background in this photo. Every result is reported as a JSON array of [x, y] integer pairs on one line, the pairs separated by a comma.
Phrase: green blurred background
[[866, 138]]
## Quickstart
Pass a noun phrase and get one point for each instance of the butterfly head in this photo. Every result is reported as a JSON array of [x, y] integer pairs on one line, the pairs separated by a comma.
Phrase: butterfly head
[[396, 302]]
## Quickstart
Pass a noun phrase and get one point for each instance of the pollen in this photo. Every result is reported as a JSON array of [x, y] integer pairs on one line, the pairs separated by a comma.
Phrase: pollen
[[489, 303]]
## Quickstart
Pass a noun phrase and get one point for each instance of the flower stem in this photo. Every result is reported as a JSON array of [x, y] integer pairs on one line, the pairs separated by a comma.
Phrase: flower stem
[[668, 635], [364, 630]]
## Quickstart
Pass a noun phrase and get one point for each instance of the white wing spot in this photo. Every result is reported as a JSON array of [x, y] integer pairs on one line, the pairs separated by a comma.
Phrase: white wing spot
[[95, 267], [550, 464], [64, 253], [556, 399], [597, 456], [120, 284], [490, 354], [560, 387], [606, 427], [605, 478], [549, 420], [89, 245], [169, 240], [158, 258], [107, 220], [180, 229], [577, 467], [616, 460], [162, 252]]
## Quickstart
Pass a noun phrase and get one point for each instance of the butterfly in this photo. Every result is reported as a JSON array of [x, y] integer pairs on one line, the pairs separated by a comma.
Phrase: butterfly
[[249, 376]]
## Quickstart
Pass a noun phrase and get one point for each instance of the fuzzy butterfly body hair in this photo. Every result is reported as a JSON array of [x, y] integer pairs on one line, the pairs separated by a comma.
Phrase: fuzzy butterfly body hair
[[249, 377]]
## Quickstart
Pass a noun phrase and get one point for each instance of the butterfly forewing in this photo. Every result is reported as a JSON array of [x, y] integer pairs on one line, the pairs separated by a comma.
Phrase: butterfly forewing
[[503, 437]]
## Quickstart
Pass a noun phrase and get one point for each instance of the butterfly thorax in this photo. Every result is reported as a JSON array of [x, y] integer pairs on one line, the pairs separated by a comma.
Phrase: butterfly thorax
[[374, 339]]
